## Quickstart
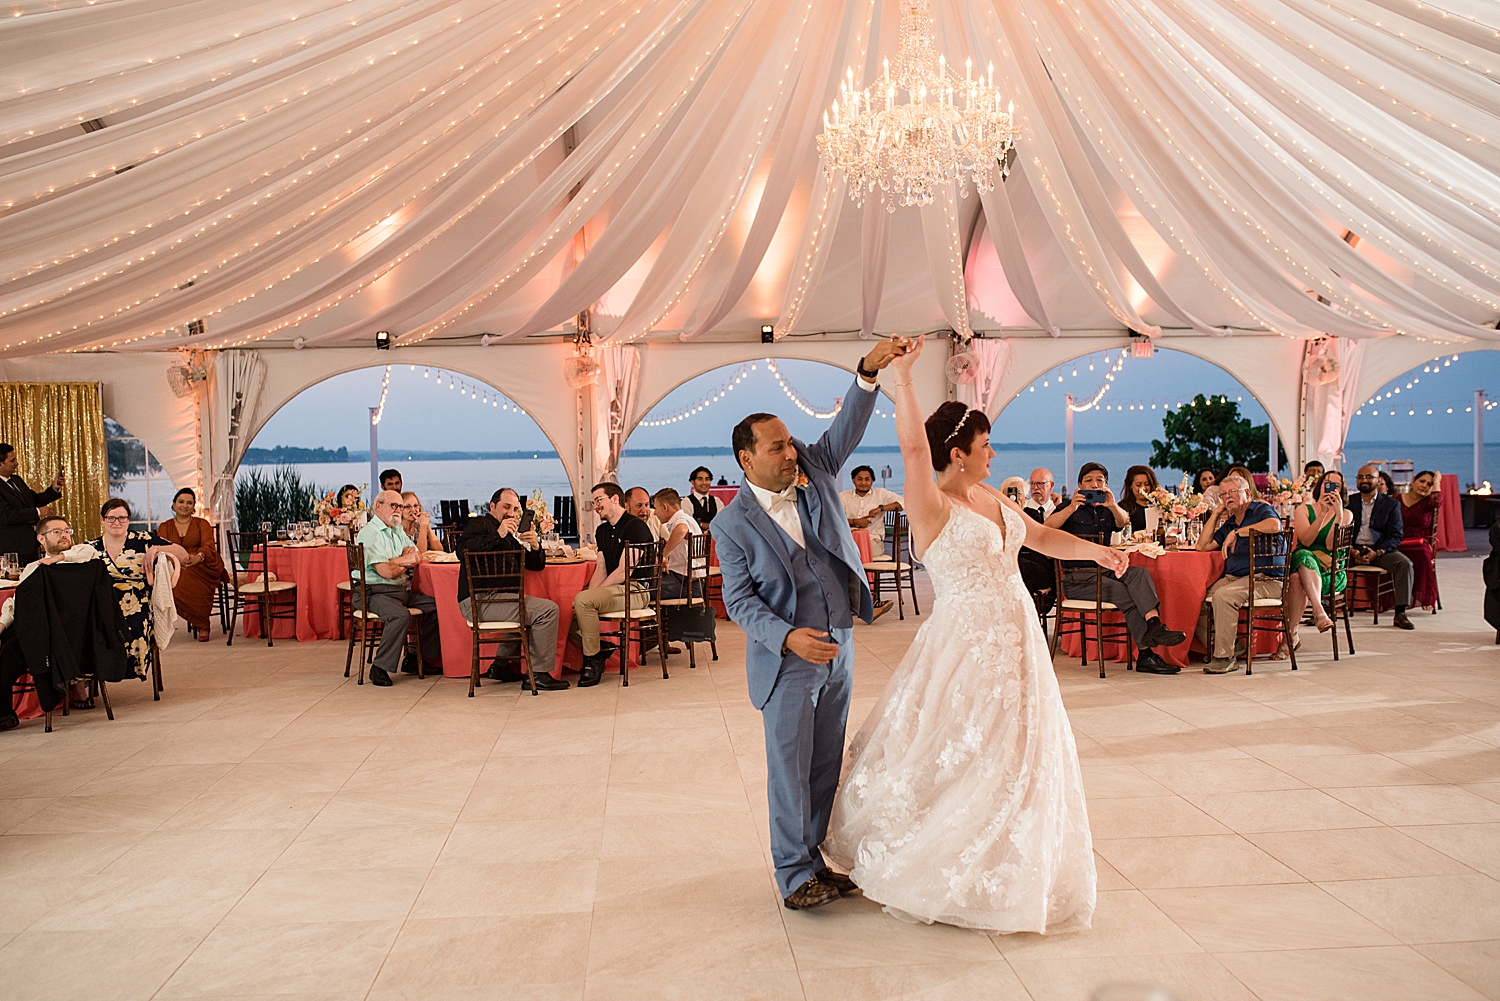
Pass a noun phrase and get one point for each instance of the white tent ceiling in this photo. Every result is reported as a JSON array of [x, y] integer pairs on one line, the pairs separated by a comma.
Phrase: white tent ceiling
[[448, 168]]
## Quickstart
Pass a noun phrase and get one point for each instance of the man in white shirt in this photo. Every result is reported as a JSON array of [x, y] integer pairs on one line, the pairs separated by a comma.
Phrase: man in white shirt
[[676, 530], [638, 503], [1042, 500], [865, 506]]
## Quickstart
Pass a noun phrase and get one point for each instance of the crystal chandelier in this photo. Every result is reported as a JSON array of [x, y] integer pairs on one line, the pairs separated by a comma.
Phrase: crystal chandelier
[[947, 129]]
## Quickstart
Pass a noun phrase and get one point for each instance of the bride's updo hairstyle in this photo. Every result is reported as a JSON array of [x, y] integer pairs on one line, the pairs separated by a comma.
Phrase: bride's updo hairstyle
[[954, 425]]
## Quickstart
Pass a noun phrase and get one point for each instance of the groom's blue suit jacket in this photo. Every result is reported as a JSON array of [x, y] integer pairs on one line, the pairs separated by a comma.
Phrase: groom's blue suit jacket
[[759, 591]]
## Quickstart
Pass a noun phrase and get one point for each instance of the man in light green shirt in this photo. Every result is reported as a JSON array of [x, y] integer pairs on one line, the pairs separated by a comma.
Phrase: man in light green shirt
[[389, 558]]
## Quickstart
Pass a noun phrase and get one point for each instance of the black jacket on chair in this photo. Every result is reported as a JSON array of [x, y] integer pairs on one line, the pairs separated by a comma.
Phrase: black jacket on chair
[[482, 535], [18, 517], [1385, 520], [68, 625], [1492, 581]]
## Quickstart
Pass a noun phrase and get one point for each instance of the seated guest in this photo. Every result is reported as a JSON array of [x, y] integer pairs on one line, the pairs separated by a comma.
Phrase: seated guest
[[1228, 528], [1015, 488], [1419, 511], [1037, 570], [203, 570], [638, 503], [1312, 560], [1133, 593], [21, 508], [702, 504], [390, 556], [1140, 482], [352, 506], [1312, 472], [865, 506], [1204, 480], [676, 529], [1386, 485], [1245, 475], [1378, 531], [56, 546], [417, 524], [496, 531], [1042, 500], [390, 479], [130, 560], [606, 592]]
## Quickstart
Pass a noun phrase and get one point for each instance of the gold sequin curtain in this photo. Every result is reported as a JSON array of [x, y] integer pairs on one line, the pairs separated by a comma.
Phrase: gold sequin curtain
[[60, 425]]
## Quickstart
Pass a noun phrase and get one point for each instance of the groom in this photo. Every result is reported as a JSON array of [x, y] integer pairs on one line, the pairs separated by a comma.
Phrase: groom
[[793, 580]]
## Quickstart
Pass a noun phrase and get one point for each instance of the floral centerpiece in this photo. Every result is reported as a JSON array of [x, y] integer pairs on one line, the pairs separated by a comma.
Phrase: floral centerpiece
[[1182, 503], [328, 511], [541, 517], [1284, 494]]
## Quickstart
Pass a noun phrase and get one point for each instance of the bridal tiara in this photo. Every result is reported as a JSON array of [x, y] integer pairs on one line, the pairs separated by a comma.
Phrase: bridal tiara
[[959, 427]]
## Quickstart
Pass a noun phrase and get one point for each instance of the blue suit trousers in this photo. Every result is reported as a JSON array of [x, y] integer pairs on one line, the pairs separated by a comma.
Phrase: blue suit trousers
[[805, 720]]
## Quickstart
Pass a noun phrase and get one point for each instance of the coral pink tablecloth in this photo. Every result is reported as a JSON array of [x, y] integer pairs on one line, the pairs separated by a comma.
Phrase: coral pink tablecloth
[[1182, 581], [1451, 517], [317, 573], [559, 582]]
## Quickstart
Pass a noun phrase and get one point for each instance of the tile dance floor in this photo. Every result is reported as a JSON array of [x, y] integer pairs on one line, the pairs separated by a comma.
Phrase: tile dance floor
[[270, 830]]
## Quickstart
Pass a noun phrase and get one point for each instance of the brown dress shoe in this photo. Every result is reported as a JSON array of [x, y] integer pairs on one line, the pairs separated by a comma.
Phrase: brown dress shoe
[[838, 881], [1402, 622], [810, 894]]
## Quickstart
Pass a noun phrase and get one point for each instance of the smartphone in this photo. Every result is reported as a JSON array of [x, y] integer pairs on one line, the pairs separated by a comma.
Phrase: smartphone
[[1330, 487], [1014, 493], [527, 517], [1093, 496]]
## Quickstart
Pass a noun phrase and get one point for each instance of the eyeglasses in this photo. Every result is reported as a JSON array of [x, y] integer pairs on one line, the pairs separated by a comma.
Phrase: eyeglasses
[[116, 519], [1041, 483], [58, 531]]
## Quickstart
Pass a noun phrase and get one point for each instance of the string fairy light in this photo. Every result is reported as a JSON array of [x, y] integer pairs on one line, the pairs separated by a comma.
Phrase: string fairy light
[[385, 388], [739, 375]]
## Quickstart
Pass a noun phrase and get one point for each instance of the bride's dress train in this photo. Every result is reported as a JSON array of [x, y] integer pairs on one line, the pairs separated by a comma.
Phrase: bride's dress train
[[962, 799]]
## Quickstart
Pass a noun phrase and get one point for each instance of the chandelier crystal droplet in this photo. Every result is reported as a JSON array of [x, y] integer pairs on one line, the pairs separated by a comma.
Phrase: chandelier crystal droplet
[[947, 129]]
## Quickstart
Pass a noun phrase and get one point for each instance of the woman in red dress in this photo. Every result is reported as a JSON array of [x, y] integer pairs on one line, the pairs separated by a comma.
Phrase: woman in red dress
[[202, 570], [1419, 511]]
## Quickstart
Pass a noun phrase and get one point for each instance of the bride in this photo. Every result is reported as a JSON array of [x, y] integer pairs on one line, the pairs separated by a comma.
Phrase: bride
[[962, 799]]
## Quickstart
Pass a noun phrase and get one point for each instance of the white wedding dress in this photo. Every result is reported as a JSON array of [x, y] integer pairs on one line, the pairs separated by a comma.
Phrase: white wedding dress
[[962, 799]]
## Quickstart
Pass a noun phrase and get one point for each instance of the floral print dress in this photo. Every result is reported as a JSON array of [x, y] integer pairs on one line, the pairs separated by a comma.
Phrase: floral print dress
[[128, 575]]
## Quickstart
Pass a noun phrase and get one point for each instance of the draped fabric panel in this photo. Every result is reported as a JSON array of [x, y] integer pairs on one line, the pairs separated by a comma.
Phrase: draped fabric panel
[[60, 425], [614, 401], [234, 400], [993, 355], [282, 170], [1330, 407]]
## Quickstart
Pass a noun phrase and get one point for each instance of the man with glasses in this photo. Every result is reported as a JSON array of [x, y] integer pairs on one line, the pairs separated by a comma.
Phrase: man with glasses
[[55, 540], [1377, 538], [21, 508], [1228, 529], [390, 556], [1042, 501]]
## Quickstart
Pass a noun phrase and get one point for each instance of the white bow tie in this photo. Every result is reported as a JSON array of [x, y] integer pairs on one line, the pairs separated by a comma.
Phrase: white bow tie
[[787, 496]]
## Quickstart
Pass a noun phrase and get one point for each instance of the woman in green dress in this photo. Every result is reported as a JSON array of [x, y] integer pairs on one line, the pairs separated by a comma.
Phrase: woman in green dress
[[126, 555], [1312, 560]]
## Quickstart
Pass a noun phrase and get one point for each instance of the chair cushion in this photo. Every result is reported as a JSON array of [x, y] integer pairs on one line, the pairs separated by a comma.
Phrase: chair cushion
[[676, 602], [344, 585], [359, 614], [1081, 605], [1268, 602], [260, 586], [715, 572], [887, 566], [492, 624], [1365, 568], [635, 613]]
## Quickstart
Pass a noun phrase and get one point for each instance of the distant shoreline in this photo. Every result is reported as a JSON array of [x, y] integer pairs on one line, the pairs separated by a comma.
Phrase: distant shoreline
[[286, 454]]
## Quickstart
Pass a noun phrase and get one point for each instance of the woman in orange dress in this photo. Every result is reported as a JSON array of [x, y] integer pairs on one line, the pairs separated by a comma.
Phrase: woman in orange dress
[[203, 569]]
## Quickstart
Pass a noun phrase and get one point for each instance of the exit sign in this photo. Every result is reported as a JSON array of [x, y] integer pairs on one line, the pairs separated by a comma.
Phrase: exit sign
[[1142, 348]]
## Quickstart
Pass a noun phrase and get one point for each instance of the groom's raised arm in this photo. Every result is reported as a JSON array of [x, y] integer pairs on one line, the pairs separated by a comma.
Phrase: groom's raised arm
[[744, 605], [833, 449]]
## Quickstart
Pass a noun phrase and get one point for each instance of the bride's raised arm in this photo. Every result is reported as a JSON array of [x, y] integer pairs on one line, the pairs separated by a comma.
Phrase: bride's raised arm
[[926, 507]]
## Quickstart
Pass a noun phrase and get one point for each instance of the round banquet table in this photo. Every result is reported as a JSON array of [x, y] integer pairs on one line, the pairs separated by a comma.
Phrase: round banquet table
[[317, 572], [559, 582], [1182, 579]]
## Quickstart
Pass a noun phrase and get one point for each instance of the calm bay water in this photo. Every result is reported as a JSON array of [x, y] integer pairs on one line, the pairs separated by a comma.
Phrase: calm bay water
[[476, 479]]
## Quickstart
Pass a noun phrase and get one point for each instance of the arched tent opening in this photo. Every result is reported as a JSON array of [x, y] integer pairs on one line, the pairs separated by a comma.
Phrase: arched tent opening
[[1118, 403], [453, 437], [705, 408], [1427, 415]]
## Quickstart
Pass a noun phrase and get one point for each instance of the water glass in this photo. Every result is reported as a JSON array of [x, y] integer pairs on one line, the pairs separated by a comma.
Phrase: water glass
[[281, 535], [265, 529]]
